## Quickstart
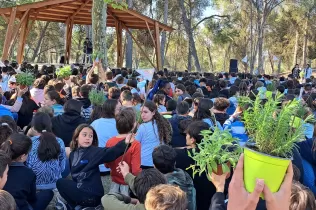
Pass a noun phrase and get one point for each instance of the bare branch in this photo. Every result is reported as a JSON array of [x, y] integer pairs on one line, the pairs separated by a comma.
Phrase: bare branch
[[209, 17]]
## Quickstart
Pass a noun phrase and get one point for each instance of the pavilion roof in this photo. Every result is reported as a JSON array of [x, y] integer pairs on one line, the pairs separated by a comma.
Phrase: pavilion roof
[[80, 11]]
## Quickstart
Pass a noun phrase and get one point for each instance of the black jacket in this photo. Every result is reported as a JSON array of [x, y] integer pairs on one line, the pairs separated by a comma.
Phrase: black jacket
[[178, 138], [21, 184], [85, 102], [221, 117], [26, 112], [84, 166], [64, 125]]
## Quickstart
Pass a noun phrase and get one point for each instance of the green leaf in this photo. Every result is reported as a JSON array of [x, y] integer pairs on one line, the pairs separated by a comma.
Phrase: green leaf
[[225, 168]]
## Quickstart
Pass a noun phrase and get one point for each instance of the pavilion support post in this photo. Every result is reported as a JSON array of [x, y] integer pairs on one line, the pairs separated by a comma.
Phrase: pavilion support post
[[69, 26], [157, 46], [8, 36], [22, 39], [119, 51]]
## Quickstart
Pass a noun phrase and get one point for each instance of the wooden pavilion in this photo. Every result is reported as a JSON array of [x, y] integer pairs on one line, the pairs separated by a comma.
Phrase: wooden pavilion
[[21, 18]]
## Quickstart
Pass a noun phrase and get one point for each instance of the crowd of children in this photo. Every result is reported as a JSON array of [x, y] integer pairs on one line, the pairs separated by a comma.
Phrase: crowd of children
[[60, 151]]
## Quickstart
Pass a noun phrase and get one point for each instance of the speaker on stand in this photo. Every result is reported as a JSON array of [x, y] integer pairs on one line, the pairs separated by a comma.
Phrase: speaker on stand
[[233, 66]]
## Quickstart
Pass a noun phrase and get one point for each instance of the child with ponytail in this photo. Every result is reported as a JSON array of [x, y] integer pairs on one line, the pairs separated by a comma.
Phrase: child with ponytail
[[21, 182], [47, 157]]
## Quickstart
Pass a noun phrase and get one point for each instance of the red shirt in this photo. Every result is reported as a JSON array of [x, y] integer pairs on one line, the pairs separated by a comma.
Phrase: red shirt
[[132, 158]]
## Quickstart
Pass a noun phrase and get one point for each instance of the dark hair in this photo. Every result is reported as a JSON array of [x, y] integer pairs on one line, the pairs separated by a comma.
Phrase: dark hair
[[4, 162], [281, 89], [114, 93], [203, 110], [191, 89], [181, 87], [5, 129], [145, 180], [73, 106], [163, 125], [195, 128], [93, 79], [17, 145], [109, 75], [48, 148], [74, 142], [85, 90], [107, 110], [127, 95], [125, 120], [158, 98], [171, 105], [183, 108], [137, 98], [221, 103], [54, 95], [132, 83], [164, 158]]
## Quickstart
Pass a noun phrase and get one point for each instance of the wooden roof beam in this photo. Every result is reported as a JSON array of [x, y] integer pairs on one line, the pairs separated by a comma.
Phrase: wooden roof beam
[[41, 4], [80, 8]]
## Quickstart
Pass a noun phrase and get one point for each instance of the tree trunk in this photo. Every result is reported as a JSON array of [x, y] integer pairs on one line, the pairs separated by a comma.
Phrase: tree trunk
[[39, 42], [88, 30], [260, 46], [99, 30], [189, 58], [279, 65], [129, 45], [164, 34], [305, 42], [295, 48], [189, 31], [271, 62], [210, 58]]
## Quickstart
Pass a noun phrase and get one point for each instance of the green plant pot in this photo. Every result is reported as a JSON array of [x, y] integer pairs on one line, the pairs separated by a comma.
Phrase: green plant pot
[[261, 166]]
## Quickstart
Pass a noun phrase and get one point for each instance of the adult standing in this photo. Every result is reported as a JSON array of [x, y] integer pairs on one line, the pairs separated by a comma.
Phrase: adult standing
[[296, 71], [308, 71]]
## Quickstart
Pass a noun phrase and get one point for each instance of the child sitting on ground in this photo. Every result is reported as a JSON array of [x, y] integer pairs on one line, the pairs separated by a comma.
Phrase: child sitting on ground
[[139, 185], [21, 183], [85, 188], [164, 158], [125, 122]]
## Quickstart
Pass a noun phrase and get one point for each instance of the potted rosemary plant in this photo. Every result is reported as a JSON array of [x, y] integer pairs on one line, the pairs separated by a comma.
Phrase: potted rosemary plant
[[24, 79], [273, 131], [217, 152], [96, 97], [64, 72]]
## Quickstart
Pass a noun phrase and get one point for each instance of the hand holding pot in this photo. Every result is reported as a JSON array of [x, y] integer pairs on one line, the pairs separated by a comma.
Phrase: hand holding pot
[[239, 198], [218, 181], [281, 199]]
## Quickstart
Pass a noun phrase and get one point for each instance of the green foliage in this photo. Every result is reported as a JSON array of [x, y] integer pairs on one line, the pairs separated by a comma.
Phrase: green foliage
[[64, 72], [25, 78], [216, 148], [270, 126], [96, 97], [117, 4]]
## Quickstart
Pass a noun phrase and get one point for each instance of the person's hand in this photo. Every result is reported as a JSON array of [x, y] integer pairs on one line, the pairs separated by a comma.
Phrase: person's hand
[[134, 201], [236, 113], [239, 198], [21, 92], [130, 138], [218, 181], [281, 199], [123, 168]]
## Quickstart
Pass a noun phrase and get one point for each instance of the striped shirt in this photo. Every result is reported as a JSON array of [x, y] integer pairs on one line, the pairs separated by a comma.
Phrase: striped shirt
[[48, 172]]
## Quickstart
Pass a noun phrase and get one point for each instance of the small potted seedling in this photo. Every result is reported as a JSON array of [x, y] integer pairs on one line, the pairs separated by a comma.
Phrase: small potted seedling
[[64, 72], [273, 130], [96, 97], [217, 152], [24, 79]]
